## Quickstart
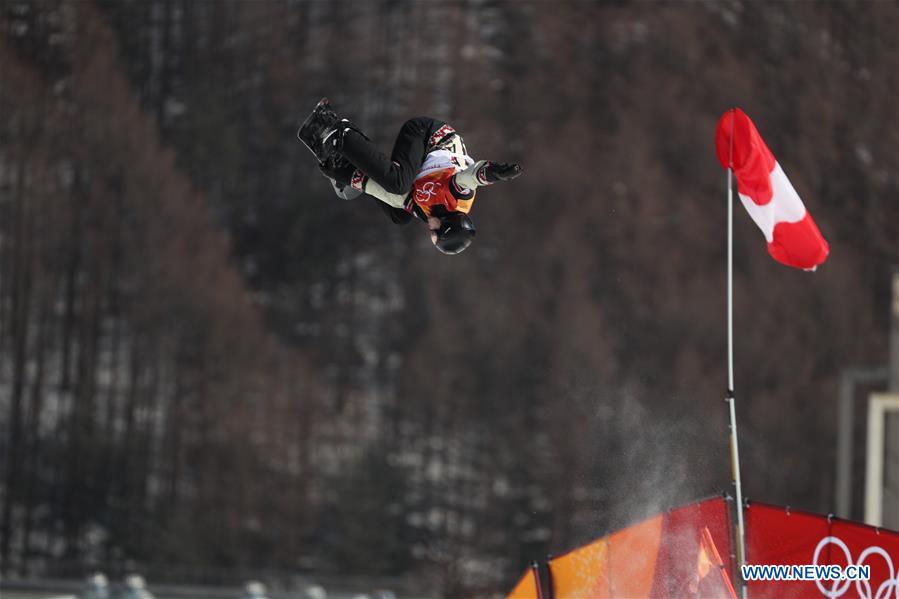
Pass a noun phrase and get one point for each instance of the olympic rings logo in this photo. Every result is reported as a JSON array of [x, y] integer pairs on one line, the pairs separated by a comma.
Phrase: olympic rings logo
[[839, 587], [427, 191]]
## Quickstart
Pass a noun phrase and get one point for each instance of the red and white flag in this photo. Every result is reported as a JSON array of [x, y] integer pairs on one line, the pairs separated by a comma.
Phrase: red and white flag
[[793, 237]]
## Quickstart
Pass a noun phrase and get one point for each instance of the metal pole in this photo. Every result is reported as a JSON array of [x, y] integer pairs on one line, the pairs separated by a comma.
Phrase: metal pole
[[734, 447]]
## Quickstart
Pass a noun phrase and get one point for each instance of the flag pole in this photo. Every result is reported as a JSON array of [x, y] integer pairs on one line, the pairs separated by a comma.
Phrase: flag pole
[[731, 400]]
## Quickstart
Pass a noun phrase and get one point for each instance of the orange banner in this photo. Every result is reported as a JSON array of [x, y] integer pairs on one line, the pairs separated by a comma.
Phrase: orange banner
[[618, 565], [683, 553], [582, 572], [527, 588]]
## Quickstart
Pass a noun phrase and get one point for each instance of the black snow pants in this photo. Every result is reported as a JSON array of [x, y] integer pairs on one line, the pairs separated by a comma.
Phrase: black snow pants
[[397, 173]]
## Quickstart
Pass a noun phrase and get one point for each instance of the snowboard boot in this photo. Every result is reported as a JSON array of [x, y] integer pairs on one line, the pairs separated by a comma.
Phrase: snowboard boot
[[332, 140]]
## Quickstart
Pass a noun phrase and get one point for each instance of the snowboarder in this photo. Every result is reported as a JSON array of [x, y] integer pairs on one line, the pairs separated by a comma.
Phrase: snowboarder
[[429, 174]]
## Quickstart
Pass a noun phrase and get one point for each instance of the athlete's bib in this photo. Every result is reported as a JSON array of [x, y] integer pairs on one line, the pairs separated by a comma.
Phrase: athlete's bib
[[434, 185]]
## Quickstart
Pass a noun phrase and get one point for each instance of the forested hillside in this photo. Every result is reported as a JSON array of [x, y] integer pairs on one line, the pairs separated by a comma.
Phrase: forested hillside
[[206, 359]]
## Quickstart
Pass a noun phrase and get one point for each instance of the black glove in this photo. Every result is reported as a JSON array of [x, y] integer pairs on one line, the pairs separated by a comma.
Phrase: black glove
[[338, 169], [495, 171]]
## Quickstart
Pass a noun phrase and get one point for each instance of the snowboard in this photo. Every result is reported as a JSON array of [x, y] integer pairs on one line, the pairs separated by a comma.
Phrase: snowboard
[[320, 120]]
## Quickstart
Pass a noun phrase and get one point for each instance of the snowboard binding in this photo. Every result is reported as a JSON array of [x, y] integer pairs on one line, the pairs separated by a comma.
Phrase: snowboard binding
[[322, 132]]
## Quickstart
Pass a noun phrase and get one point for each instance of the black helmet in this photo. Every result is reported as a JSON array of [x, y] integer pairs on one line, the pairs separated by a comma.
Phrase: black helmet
[[455, 233]]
